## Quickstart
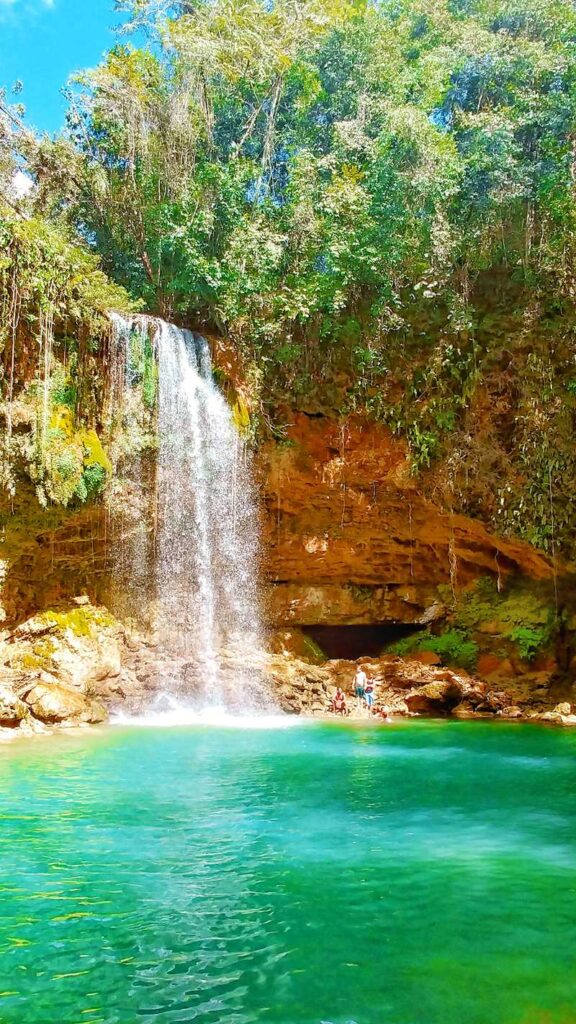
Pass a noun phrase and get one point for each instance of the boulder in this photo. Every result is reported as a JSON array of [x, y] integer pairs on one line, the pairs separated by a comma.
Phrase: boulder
[[513, 711], [464, 710], [564, 709], [52, 703], [13, 711], [443, 696], [76, 645]]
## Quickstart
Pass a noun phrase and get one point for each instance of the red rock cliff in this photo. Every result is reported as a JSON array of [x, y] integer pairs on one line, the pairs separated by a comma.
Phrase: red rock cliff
[[349, 539]]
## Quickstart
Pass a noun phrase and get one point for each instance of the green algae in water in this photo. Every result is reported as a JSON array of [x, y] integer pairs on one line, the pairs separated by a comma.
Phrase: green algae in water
[[418, 874]]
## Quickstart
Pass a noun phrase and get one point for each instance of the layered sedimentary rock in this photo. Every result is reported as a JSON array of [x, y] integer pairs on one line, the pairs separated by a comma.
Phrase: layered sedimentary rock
[[350, 539], [48, 554], [347, 537]]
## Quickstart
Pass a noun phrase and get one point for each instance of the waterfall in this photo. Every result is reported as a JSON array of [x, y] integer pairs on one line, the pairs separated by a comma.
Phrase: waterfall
[[199, 573]]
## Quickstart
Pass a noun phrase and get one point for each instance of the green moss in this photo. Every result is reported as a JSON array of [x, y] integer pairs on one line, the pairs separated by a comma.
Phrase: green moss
[[39, 658], [82, 621], [453, 647], [359, 592], [313, 651], [94, 454], [241, 415], [69, 465], [522, 614]]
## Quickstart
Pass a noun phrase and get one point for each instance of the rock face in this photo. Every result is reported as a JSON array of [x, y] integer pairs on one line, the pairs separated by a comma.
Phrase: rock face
[[299, 688], [349, 538], [48, 556], [440, 696]]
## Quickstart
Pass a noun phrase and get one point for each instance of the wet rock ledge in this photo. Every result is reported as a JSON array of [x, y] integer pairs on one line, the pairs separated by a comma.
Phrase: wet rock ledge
[[70, 666]]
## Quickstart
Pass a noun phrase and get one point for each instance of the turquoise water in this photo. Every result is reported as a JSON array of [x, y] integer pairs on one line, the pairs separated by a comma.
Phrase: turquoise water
[[423, 873]]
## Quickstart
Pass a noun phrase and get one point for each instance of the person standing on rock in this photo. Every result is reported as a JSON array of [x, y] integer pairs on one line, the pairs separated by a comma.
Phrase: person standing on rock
[[369, 694], [360, 682]]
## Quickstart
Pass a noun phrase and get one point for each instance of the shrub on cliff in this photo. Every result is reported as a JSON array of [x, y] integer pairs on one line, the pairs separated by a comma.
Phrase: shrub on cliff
[[454, 647]]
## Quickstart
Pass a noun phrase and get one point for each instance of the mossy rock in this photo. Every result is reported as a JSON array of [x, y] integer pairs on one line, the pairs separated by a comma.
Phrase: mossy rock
[[38, 658], [523, 616], [81, 620], [454, 647]]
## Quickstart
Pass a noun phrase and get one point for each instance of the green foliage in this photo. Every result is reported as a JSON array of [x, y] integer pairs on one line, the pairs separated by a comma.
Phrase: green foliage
[[66, 461], [453, 647], [65, 394], [143, 367], [521, 614], [51, 274], [519, 604], [69, 467], [274, 162], [529, 641], [50, 374], [374, 201]]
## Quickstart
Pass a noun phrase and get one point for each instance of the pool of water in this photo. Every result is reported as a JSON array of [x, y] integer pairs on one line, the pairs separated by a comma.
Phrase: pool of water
[[422, 873]]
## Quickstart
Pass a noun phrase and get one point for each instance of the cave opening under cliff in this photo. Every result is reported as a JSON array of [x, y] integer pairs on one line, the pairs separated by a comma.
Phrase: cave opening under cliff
[[352, 642]]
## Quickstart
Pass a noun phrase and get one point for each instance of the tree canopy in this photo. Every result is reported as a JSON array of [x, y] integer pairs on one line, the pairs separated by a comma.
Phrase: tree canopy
[[373, 199], [277, 168]]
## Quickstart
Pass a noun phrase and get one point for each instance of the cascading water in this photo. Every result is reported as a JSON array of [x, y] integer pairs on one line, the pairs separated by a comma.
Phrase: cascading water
[[202, 569], [130, 501]]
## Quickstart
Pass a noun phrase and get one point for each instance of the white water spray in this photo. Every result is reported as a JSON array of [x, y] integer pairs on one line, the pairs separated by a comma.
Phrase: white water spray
[[203, 566]]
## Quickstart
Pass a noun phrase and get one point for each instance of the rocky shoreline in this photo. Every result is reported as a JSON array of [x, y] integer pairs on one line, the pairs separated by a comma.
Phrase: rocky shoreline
[[72, 666]]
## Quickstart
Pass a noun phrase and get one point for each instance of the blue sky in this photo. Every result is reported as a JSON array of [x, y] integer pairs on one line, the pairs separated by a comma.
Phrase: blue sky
[[43, 41]]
